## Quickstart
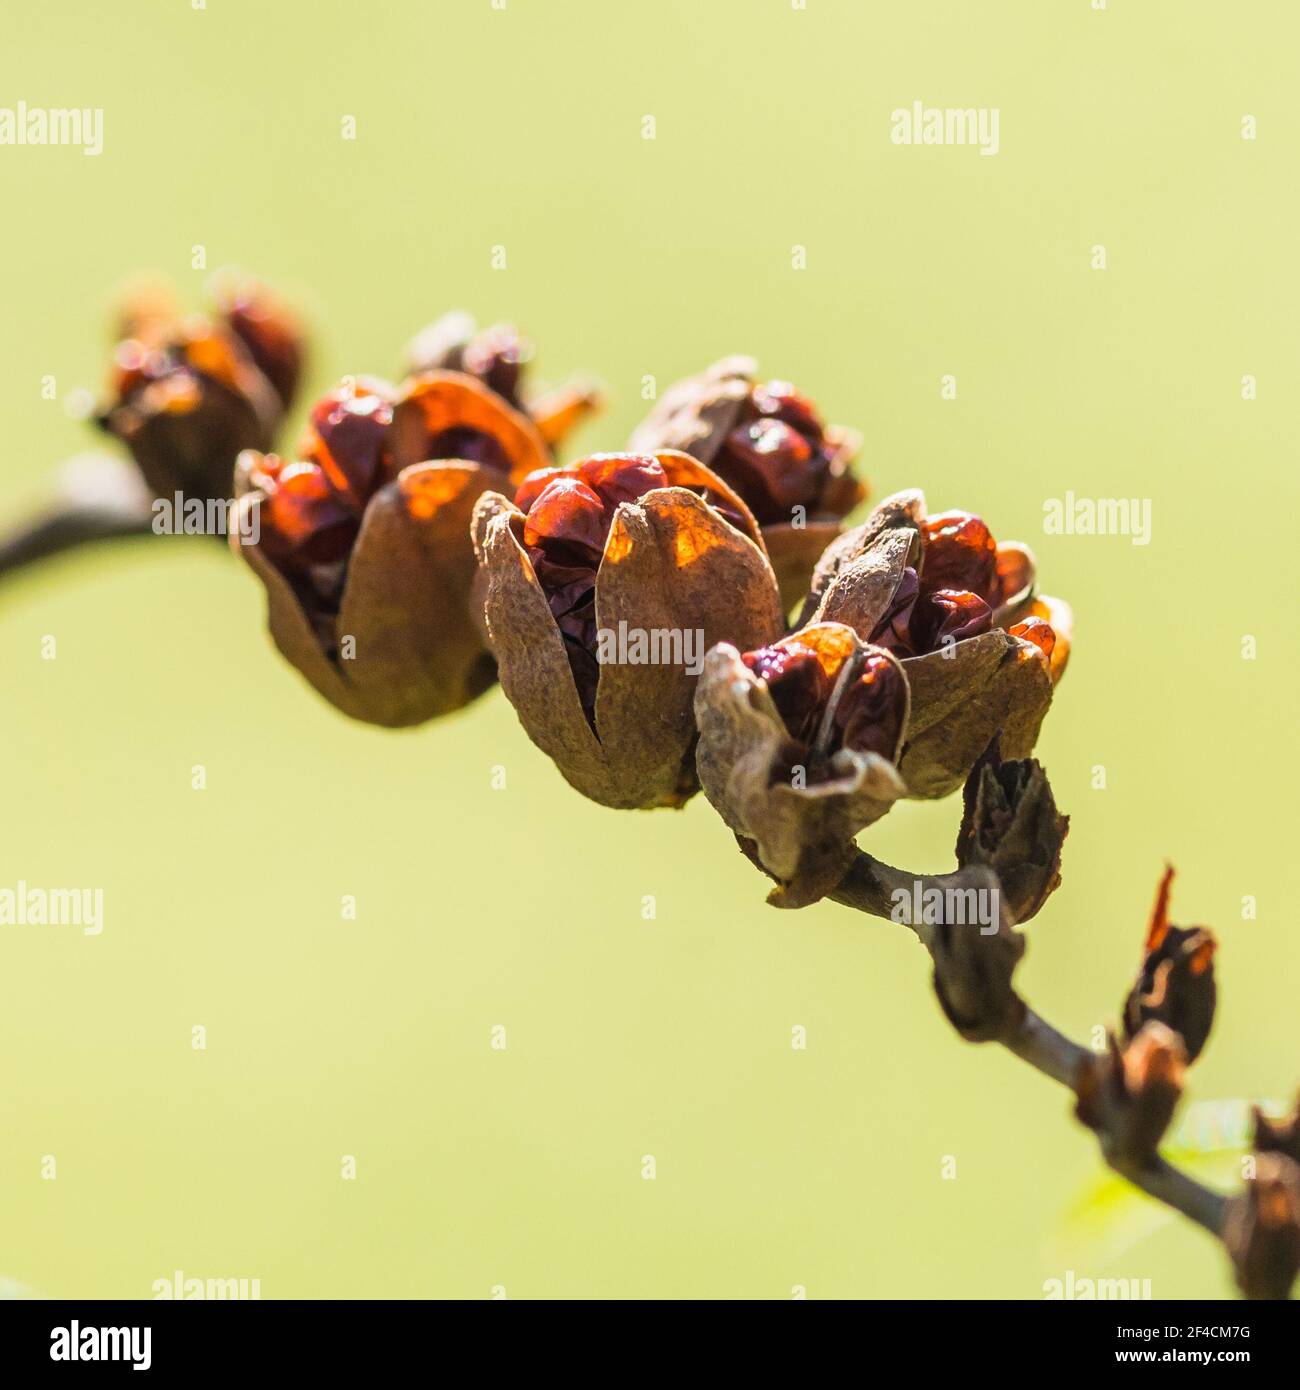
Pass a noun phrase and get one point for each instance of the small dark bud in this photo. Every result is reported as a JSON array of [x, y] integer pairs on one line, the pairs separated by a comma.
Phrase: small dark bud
[[1011, 823], [973, 965], [1279, 1136], [1176, 982], [1129, 1096], [1262, 1229]]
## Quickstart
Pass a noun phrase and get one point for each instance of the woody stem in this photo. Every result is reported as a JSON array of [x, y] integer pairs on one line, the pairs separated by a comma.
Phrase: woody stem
[[870, 886], [64, 527]]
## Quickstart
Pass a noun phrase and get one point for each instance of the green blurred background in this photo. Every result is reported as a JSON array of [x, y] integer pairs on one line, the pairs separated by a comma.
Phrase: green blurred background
[[522, 1168]]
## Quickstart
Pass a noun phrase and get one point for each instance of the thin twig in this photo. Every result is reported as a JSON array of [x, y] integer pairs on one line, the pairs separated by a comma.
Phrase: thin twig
[[96, 497], [66, 528], [870, 886]]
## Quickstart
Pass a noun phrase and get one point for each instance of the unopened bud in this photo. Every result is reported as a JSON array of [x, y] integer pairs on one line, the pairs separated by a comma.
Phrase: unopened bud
[[1279, 1136], [1262, 1229], [1129, 1095], [1011, 823], [1176, 981]]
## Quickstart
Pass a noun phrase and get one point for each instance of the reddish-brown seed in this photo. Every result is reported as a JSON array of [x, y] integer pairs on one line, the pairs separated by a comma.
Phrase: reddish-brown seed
[[1038, 631], [959, 554]]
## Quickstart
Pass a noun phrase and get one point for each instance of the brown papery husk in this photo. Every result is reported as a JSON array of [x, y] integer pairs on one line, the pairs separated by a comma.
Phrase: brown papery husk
[[671, 562], [406, 602], [802, 835], [964, 695]]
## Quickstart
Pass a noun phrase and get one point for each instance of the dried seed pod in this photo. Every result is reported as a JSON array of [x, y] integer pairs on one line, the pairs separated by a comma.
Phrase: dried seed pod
[[973, 965], [770, 444], [1176, 981], [188, 394], [1262, 1229], [499, 357], [605, 584], [797, 747], [1130, 1096], [981, 651], [364, 545], [1010, 822]]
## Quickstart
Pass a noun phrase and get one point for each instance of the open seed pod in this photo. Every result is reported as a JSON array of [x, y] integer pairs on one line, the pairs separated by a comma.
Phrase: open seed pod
[[364, 545], [606, 583], [981, 650], [797, 751], [188, 393], [770, 444]]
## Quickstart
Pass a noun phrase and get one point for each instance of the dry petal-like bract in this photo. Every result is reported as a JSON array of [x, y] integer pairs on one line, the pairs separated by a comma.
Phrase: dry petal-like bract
[[1262, 1229], [770, 444], [1176, 981], [402, 646], [446, 415], [1130, 1095], [1010, 822], [499, 357], [188, 394], [981, 651], [366, 555], [797, 748], [268, 329], [605, 586]]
